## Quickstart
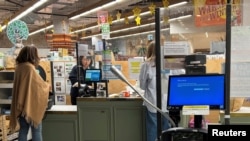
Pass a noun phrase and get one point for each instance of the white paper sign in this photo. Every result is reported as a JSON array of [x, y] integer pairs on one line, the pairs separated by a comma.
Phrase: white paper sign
[[176, 48], [83, 50], [240, 79], [240, 43]]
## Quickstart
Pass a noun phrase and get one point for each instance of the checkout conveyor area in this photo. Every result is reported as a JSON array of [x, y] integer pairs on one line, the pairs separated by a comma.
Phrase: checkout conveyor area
[[95, 119]]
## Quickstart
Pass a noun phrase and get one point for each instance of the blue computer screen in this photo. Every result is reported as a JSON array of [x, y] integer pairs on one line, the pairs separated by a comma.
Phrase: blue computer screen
[[93, 75], [187, 90]]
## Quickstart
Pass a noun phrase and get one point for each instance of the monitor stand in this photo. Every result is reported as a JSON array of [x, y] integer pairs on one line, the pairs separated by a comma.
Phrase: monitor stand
[[197, 121]]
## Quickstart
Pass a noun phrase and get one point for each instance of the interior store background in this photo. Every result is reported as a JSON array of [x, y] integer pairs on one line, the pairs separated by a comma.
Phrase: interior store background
[[200, 39]]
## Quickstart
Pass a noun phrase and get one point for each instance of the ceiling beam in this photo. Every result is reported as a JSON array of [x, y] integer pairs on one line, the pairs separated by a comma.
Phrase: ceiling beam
[[14, 3], [6, 9], [42, 13], [31, 3]]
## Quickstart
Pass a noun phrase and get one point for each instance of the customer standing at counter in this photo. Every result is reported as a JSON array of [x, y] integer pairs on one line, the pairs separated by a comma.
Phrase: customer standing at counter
[[29, 96], [85, 63], [147, 79]]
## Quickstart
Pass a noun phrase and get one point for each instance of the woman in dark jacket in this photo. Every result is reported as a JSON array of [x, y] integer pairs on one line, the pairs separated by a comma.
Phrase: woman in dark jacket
[[86, 62]]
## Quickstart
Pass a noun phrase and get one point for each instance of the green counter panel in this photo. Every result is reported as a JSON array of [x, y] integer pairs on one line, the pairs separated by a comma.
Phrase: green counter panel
[[60, 127], [111, 120], [94, 123]]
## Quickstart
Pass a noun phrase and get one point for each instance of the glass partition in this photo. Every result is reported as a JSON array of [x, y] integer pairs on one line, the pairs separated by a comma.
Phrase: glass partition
[[203, 28]]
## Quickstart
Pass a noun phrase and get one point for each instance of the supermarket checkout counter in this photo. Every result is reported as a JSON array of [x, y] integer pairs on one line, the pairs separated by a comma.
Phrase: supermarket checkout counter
[[60, 123], [95, 119]]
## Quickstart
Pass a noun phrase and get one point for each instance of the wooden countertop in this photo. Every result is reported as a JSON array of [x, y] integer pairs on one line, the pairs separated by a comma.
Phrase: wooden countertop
[[243, 112]]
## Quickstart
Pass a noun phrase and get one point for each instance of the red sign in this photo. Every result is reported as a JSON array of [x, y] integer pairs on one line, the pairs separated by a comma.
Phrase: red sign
[[102, 17], [213, 12]]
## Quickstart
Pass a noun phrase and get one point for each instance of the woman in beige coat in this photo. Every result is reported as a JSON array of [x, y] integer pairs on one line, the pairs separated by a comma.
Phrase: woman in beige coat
[[29, 96]]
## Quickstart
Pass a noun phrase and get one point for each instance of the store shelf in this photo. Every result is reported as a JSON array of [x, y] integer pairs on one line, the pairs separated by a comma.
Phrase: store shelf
[[5, 101], [13, 136], [6, 85]]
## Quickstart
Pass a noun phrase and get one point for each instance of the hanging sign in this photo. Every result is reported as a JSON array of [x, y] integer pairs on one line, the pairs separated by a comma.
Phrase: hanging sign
[[17, 30], [103, 21], [105, 31], [213, 12]]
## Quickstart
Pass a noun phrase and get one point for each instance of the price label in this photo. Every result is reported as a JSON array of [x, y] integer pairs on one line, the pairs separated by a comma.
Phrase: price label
[[195, 110]]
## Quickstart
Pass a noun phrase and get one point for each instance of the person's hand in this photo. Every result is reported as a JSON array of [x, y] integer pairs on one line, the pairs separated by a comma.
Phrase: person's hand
[[50, 88], [76, 85]]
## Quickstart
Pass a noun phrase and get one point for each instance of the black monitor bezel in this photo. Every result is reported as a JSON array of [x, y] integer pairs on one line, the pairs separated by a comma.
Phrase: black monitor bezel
[[100, 78], [211, 107]]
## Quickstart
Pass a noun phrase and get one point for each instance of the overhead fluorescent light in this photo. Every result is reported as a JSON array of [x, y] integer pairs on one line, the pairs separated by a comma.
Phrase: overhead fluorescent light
[[24, 13], [40, 30], [181, 17], [103, 7], [177, 4], [94, 10], [136, 34], [129, 17], [135, 27], [124, 36]]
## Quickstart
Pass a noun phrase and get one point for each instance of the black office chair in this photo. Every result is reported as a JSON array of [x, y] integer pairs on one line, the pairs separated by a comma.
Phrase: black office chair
[[184, 134]]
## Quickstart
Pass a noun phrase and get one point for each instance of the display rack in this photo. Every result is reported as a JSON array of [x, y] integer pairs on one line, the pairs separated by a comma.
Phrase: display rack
[[65, 42], [6, 85]]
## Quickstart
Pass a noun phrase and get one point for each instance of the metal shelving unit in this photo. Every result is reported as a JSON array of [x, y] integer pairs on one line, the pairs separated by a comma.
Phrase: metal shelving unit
[[6, 85]]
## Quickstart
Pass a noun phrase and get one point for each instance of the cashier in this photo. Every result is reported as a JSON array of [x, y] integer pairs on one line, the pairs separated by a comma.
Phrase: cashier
[[85, 63]]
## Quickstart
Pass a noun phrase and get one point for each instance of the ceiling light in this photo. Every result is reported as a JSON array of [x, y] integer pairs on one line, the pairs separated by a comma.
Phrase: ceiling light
[[24, 13], [135, 27], [94, 10], [105, 6], [181, 17], [141, 33], [129, 17], [124, 30], [178, 4], [40, 30]]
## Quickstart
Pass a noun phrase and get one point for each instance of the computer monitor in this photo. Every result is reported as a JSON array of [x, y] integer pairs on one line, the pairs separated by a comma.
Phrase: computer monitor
[[198, 89], [93, 75]]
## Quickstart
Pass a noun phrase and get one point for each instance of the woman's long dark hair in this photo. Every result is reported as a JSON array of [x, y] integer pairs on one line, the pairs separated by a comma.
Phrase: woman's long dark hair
[[28, 54]]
